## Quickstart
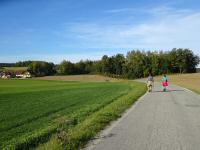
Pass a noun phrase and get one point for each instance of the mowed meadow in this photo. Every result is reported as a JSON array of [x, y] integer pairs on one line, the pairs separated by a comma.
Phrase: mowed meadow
[[33, 110]]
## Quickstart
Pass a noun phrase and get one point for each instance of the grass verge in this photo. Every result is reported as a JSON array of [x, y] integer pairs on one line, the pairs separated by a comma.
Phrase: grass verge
[[76, 137]]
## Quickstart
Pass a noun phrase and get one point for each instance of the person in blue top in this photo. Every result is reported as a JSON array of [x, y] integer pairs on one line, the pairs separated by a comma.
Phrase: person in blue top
[[165, 82]]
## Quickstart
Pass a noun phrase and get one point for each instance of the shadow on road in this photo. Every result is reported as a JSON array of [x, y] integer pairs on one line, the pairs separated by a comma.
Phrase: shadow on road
[[167, 91]]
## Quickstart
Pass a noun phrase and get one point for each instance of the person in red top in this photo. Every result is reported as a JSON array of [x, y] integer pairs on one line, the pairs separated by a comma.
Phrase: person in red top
[[164, 82]]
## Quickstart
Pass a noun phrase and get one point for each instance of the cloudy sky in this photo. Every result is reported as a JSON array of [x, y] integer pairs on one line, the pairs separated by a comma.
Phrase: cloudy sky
[[54, 30]]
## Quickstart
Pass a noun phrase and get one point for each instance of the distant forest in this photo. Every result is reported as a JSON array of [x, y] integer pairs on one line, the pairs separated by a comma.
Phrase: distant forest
[[135, 64]]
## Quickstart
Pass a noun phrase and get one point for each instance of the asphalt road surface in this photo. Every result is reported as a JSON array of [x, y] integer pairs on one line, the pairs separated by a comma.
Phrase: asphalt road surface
[[158, 121]]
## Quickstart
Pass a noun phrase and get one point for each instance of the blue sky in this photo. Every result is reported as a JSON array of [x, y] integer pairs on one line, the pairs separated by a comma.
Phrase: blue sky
[[54, 30]]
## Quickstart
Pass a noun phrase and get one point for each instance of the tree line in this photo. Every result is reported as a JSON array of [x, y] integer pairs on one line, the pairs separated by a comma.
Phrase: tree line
[[7, 65], [135, 64]]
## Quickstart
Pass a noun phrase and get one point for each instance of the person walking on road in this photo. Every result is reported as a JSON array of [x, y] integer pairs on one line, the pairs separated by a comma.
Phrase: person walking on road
[[150, 82], [164, 82]]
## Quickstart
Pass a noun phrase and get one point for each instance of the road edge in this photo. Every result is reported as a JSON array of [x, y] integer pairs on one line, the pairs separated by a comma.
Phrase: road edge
[[97, 139]]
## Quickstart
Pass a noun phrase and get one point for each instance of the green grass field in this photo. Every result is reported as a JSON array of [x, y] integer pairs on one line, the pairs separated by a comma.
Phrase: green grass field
[[32, 111]]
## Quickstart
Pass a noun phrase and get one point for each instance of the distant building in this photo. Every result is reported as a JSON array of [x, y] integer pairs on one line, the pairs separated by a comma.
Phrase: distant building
[[23, 75], [8, 75], [1, 74], [27, 75]]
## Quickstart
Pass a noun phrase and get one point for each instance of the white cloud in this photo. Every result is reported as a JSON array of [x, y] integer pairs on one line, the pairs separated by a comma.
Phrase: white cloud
[[157, 11], [56, 58], [120, 10], [167, 29]]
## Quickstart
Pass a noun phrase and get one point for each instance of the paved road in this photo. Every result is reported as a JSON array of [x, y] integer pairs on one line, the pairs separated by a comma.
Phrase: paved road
[[159, 121]]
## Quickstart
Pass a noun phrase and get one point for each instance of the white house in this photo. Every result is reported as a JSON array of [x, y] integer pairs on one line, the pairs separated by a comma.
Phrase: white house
[[24, 75]]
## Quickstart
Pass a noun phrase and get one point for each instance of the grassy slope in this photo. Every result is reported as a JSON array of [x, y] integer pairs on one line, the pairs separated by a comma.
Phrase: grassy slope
[[190, 81], [33, 110], [77, 136]]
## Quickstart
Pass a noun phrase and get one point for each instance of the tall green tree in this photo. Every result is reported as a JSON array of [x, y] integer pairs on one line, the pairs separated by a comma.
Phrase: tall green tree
[[41, 68], [23, 63], [136, 64], [106, 64], [66, 68], [118, 62], [183, 61]]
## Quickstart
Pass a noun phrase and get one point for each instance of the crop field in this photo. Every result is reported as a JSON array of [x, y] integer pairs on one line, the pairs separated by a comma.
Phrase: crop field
[[88, 78], [190, 81], [32, 110], [15, 68]]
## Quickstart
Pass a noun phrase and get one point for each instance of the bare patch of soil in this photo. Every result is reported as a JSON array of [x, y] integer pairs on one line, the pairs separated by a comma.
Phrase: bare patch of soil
[[91, 78]]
